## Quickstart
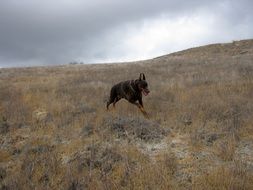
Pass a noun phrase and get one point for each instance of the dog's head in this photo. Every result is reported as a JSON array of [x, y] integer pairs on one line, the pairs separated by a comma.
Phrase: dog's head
[[142, 84]]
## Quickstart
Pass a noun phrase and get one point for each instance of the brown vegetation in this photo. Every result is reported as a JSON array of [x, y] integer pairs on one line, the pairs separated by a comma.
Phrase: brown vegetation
[[55, 132]]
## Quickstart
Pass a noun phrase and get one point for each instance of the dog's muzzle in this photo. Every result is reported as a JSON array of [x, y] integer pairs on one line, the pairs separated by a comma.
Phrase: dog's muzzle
[[145, 91]]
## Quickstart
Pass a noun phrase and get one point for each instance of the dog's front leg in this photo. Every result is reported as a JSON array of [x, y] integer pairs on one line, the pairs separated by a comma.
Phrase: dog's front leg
[[140, 106]]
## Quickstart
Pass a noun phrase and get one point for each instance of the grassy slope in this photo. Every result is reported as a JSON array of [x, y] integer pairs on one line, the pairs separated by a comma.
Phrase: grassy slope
[[56, 134]]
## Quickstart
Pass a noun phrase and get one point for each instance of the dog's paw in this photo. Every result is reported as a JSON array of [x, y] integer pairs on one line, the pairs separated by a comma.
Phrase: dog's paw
[[146, 115]]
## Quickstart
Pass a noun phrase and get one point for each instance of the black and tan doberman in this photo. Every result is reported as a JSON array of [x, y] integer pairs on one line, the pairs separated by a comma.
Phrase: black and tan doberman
[[130, 90]]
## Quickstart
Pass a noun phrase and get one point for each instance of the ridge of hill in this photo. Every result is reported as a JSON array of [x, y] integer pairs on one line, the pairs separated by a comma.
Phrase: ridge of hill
[[232, 49]]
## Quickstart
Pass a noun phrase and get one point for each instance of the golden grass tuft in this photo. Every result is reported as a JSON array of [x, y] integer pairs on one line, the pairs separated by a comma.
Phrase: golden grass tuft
[[237, 176]]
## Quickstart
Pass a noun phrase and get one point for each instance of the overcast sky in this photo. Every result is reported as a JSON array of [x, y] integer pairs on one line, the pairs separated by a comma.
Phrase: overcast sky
[[51, 32]]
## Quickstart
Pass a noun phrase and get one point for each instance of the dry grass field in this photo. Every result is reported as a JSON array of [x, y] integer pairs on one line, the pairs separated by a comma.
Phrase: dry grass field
[[55, 132]]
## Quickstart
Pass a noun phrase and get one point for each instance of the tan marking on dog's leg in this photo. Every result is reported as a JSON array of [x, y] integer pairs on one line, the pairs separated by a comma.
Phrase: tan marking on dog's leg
[[144, 113], [142, 110]]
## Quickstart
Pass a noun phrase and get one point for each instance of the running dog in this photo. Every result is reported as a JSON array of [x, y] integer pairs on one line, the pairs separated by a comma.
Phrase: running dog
[[130, 90]]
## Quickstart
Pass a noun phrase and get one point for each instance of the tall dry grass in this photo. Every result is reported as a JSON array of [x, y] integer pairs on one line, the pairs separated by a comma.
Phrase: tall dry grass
[[56, 133]]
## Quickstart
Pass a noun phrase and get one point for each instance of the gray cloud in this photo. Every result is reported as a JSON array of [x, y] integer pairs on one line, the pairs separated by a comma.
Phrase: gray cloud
[[35, 32]]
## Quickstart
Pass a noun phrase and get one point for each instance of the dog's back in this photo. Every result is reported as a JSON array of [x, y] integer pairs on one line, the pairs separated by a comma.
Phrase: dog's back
[[124, 87]]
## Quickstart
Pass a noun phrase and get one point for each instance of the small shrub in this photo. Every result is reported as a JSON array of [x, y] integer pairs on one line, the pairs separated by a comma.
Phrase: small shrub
[[139, 128]]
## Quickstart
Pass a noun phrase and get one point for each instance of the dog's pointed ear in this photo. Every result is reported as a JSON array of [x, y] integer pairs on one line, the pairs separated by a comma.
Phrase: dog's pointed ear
[[140, 76], [143, 76]]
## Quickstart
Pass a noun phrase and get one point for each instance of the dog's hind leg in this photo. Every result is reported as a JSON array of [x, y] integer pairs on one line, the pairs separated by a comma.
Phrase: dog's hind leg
[[115, 101], [113, 96], [108, 104]]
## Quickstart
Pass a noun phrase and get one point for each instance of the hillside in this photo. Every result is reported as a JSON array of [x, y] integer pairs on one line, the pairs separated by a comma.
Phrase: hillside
[[55, 132]]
